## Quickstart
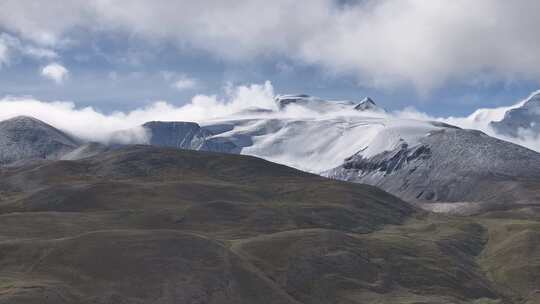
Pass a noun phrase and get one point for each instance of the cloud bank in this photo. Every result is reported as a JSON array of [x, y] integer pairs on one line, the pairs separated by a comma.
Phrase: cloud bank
[[91, 125], [384, 43]]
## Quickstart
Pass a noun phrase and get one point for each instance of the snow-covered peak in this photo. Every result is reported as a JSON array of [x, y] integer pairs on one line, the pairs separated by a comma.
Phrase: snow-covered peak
[[367, 104], [320, 105], [523, 118], [533, 101]]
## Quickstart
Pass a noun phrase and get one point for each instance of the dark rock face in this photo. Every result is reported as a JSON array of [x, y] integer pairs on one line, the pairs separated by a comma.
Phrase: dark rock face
[[187, 135], [388, 161], [525, 118], [26, 138], [183, 135]]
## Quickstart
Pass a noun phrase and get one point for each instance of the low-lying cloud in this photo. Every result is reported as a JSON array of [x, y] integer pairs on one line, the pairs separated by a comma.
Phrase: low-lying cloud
[[124, 127], [89, 124]]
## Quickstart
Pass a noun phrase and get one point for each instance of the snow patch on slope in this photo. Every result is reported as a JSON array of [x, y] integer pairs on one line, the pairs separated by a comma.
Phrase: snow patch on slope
[[319, 142]]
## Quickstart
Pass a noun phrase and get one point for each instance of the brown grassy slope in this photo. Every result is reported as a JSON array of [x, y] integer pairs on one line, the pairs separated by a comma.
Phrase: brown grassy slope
[[155, 225]]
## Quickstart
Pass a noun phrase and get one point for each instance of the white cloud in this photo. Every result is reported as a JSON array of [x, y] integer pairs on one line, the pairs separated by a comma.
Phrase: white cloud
[[384, 43], [56, 72], [185, 83], [89, 124]]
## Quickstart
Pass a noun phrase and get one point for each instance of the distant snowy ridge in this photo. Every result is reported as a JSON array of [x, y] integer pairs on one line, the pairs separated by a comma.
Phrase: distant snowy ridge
[[419, 160], [319, 137], [319, 105], [522, 119]]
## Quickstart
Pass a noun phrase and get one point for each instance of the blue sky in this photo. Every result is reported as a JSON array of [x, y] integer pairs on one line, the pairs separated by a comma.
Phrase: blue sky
[[443, 58]]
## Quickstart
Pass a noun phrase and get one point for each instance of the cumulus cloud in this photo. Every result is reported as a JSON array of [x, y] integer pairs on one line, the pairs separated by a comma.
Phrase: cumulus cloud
[[56, 72], [384, 43]]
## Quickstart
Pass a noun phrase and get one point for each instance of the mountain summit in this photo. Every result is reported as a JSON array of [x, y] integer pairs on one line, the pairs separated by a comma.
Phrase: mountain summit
[[24, 138], [437, 165], [324, 106], [525, 118], [367, 104]]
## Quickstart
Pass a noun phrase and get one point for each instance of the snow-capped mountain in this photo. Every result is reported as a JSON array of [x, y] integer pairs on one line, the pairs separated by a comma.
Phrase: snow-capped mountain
[[24, 138], [306, 132], [422, 161], [315, 144], [452, 165], [521, 120]]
